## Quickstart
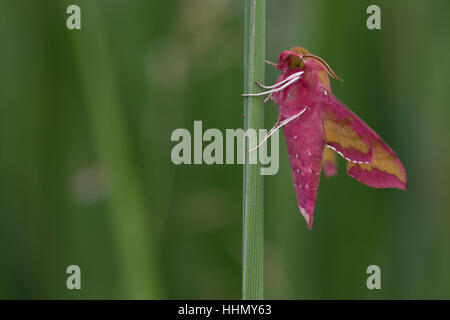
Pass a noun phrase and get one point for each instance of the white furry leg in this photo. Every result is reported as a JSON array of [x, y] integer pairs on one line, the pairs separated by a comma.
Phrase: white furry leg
[[277, 126], [278, 86]]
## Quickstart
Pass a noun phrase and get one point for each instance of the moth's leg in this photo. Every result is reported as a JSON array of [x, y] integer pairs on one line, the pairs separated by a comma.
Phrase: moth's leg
[[268, 98], [277, 126], [267, 136], [287, 84], [292, 76], [270, 63]]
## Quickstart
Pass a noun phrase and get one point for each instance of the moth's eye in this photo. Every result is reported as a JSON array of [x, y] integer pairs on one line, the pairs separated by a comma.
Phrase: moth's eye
[[296, 63]]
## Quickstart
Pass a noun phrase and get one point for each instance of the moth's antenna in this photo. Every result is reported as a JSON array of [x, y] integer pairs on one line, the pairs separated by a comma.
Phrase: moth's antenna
[[271, 63], [329, 70]]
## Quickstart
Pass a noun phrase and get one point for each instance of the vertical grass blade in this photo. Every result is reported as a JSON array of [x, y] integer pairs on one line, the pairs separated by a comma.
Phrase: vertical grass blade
[[253, 214]]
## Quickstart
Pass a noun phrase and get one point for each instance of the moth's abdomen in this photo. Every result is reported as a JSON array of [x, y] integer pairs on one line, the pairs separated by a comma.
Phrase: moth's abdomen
[[305, 142]]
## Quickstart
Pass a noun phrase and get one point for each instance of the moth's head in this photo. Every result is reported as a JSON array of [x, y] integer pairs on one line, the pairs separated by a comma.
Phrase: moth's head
[[300, 59], [292, 59]]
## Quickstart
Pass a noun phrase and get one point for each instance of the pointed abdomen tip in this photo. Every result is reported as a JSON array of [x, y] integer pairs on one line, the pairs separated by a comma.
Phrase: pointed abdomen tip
[[308, 218]]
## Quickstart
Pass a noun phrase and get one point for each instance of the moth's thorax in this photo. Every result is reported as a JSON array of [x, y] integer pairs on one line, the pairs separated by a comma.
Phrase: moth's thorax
[[301, 93]]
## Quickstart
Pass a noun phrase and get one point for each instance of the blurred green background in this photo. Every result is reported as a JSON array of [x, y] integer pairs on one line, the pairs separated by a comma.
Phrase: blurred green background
[[85, 170]]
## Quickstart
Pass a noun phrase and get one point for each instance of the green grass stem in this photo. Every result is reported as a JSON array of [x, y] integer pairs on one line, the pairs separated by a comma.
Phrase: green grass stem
[[253, 186]]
